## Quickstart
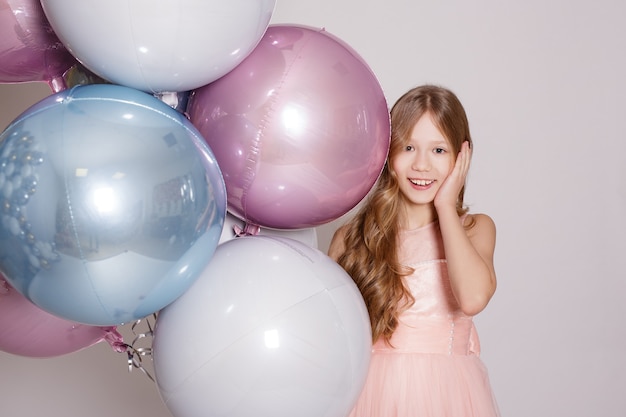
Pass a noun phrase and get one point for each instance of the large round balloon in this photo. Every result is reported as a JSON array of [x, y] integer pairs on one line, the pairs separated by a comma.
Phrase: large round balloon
[[272, 328], [111, 202], [29, 48], [171, 45], [27, 330], [300, 129]]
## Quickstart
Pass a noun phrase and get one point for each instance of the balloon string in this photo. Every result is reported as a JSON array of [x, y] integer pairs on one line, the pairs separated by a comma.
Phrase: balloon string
[[135, 353], [135, 359]]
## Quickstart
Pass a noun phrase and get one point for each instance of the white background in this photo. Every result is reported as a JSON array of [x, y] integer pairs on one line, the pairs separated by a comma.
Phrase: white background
[[543, 85]]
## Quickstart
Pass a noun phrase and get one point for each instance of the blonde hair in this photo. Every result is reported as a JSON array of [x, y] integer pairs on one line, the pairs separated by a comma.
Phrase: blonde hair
[[370, 239]]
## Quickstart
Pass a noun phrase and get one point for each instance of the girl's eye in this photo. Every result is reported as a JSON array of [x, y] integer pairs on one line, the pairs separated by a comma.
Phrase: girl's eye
[[439, 150], [408, 148]]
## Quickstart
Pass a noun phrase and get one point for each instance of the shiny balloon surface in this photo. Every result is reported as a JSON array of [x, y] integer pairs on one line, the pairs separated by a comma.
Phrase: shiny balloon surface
[[111, 202], [164, 46], [272, 328], [300, 129]]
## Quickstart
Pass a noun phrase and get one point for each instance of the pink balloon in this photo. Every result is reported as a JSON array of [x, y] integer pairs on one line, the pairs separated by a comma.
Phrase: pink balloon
[[26, 330], [300, 129], [29, 48]]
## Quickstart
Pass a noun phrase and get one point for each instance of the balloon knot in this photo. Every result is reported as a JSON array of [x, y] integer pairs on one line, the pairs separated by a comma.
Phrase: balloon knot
[[249, 229], [115, 339]]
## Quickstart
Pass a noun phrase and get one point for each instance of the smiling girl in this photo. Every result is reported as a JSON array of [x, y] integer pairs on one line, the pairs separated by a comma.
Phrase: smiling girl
[[424, 266]]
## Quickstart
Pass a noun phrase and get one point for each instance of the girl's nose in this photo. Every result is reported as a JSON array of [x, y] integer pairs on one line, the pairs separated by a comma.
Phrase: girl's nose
[[421, 162]]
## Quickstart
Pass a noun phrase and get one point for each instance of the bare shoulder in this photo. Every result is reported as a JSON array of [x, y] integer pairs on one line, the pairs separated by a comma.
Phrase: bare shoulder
[[337, 245], [481, 220], [483, 229]]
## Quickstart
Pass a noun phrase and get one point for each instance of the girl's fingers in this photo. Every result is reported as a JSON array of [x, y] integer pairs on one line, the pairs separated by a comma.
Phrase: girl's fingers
[[456, 179], [465, 157]]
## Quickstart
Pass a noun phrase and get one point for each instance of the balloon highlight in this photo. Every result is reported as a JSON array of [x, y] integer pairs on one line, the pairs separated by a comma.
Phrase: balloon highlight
[[112, 204]]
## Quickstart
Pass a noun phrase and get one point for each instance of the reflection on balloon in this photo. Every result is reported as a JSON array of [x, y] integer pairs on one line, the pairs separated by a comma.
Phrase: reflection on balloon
[[166, 47], [235, 227], [300, 129], [29, 48], [272, 328], [79, 75], [27, 330], [112, 204]]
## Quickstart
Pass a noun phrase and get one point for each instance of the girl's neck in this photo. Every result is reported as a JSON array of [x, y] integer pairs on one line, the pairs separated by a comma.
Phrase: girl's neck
[[414, 216]]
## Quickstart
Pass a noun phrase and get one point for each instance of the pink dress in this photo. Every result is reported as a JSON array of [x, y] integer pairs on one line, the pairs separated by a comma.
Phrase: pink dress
[[433, 368]]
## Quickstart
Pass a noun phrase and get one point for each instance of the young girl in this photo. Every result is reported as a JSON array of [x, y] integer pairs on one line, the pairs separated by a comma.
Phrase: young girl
[[424, 267]]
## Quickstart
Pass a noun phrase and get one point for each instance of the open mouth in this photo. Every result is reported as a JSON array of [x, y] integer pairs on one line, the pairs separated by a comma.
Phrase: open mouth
[[421, 183]]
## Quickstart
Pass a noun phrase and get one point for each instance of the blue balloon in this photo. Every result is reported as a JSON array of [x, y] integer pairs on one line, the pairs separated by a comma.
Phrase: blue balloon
[[111, 204]]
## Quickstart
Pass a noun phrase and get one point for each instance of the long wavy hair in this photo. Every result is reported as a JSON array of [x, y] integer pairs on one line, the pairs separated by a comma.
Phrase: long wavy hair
[[370, 240]]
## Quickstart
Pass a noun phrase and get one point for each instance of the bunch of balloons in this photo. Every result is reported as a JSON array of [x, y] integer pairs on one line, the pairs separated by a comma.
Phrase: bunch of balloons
[[180, 166]]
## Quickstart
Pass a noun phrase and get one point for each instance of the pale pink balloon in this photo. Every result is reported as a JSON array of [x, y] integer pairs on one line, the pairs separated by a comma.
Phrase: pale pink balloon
[[26, 330], [300, 129], [29, 48]]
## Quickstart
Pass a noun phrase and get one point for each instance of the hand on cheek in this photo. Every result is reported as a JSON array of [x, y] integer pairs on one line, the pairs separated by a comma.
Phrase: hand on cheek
[[449, 191]]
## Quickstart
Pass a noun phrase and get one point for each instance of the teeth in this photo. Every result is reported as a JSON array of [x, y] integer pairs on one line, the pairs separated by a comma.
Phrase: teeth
[[421, 182]]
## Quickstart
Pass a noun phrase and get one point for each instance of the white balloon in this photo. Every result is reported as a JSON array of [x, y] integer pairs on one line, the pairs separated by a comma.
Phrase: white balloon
[[232, 224], [271, 328], [164, 46]]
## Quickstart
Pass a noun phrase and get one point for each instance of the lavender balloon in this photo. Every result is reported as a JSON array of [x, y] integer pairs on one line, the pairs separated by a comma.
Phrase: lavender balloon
[[29, 48], [27, 330], [300, 129]]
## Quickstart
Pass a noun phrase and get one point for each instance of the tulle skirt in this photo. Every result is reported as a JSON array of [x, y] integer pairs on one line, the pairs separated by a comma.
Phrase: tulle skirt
[[426, 385]]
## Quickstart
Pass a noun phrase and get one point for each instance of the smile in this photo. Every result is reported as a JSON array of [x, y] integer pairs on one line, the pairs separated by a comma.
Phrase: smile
[[421, 182]]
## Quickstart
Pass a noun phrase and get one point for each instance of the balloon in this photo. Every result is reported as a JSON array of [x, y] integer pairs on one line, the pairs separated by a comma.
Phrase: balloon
[[235, 227], [300, 129], [272, 328], [29, 48], [26, 330], [111, 202], [172, 45]]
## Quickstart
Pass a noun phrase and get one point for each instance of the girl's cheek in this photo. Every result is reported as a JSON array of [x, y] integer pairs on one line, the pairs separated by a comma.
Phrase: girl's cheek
[[451, 166]]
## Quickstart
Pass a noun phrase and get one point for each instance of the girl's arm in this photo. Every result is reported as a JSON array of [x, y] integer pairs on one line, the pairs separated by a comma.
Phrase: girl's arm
[[469, 256], [469, 253]]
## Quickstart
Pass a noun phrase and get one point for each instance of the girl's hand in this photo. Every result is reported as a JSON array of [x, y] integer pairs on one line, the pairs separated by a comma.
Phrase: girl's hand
[[448, 193]]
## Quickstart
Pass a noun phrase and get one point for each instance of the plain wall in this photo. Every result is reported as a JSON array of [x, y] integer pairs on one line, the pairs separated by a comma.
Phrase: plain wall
[[543, 85]]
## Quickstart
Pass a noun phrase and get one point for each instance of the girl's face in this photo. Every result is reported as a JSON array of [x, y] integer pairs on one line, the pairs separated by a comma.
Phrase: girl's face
[[423, 163]]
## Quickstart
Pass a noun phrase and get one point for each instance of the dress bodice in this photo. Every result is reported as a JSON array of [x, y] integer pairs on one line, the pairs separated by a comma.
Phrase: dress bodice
[[434, 323]]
